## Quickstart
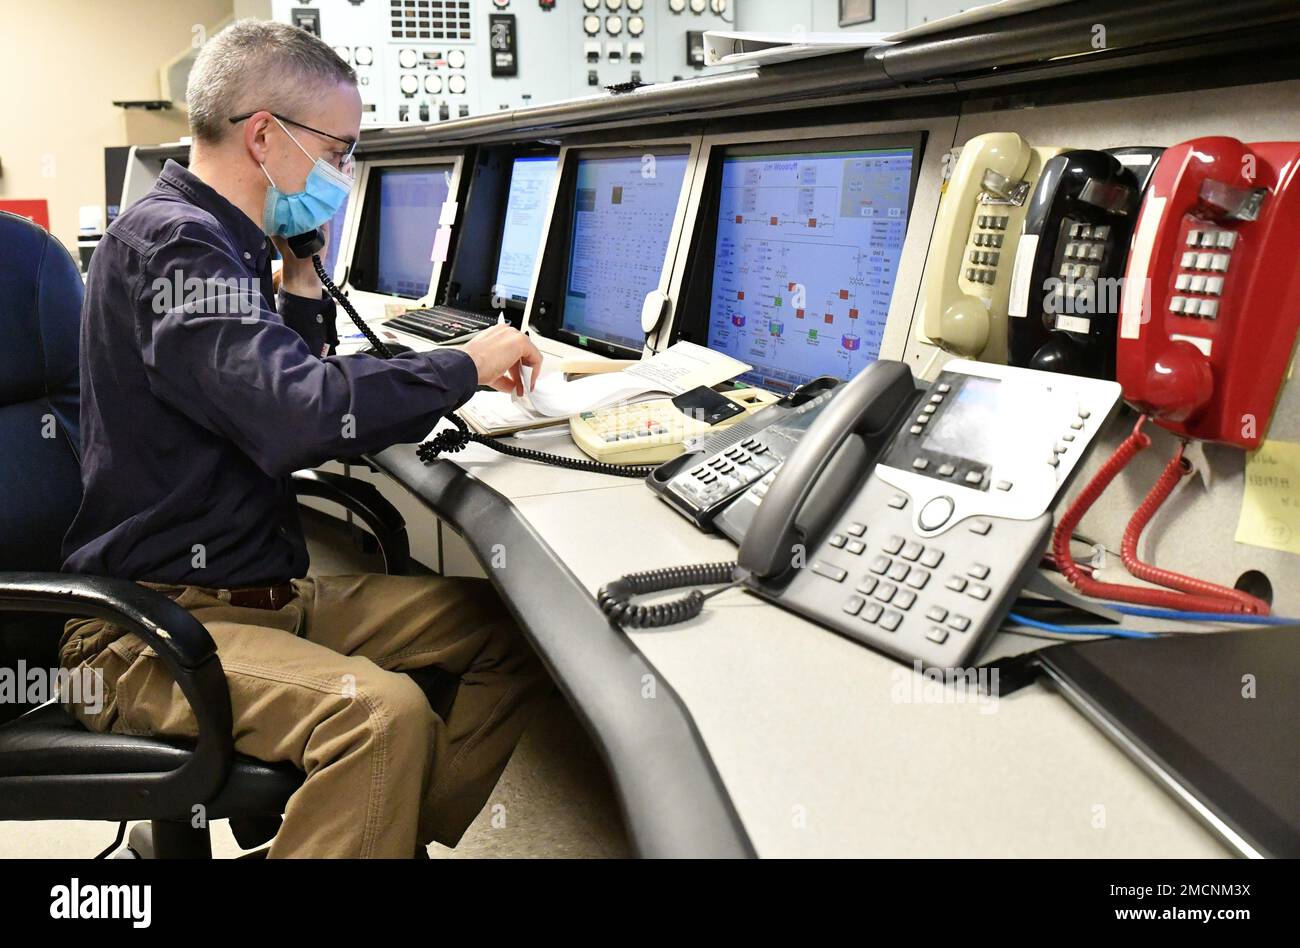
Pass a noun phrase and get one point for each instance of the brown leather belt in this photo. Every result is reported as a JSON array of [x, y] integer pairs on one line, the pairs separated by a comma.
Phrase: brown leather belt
[[246, 597]]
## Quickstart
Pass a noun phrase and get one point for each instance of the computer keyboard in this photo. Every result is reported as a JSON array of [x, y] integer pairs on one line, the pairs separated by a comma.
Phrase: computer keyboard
[[440, 325]]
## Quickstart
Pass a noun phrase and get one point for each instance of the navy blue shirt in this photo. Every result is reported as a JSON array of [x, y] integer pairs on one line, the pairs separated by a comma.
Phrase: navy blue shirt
[[199, 397]]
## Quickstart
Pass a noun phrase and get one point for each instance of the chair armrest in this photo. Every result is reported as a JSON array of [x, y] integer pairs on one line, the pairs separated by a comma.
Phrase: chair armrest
[[186, 651], [368, 505]]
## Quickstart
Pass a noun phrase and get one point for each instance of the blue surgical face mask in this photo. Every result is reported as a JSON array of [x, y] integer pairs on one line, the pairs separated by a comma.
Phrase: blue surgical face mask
[[326, 190]]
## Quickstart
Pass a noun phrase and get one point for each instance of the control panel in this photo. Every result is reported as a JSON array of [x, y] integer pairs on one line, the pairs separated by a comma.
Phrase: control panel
[[424, 61]]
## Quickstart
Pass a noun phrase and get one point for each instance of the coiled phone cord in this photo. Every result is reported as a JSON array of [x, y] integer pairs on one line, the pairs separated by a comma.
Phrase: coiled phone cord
[[1209, 598], [452, 441], [615, 599], [1174, 471], [376, 343]]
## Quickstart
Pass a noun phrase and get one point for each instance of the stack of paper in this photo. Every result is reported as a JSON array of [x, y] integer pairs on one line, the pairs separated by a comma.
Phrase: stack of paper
[[678, 369]]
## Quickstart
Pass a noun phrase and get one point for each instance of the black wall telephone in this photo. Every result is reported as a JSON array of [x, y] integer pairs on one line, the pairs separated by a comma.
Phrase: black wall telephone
[[1064, 301], [309, 245]]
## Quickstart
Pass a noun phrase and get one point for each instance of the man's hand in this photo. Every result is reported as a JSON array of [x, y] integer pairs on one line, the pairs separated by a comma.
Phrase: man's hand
[[500, 353], [298, 276]]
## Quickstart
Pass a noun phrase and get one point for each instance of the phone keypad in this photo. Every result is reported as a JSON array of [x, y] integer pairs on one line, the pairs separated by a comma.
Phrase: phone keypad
[[632, 422], [726, 473], [915, 597], [1202, 264], [1083, 254], [896, 586], [984, 251]]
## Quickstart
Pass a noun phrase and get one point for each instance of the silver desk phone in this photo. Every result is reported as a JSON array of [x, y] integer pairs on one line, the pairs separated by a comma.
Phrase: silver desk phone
[[919, 551]]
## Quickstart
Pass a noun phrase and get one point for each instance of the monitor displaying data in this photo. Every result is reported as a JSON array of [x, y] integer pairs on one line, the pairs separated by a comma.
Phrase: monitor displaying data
[[410, 200], [807, 250], [622, 221], [530, 190]]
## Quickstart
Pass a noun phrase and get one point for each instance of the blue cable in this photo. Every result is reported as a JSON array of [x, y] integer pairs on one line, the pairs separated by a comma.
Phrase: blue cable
[[1178, 614], [1113, 631]]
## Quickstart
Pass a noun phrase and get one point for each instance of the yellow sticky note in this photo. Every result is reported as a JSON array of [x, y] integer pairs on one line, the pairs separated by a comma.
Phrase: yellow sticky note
[[1270, 503]]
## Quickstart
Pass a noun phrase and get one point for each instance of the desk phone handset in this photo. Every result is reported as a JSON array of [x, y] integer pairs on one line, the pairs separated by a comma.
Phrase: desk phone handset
[[457, 438], [923, 553]]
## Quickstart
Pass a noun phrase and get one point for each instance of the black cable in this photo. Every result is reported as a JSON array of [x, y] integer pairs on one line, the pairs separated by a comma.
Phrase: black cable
[[121, 835], [450, 442], [615, 599], [375, 342], [453, 441]]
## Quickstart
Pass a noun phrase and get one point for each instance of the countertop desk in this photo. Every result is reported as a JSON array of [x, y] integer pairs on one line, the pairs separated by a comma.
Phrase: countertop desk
[[751, 731]]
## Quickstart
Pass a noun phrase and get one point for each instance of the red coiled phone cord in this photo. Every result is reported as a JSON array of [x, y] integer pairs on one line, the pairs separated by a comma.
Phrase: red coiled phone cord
[[1174, 471], [1192, 594]]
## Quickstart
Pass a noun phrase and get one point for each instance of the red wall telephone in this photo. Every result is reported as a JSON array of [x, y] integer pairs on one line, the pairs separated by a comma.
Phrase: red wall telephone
[[1211, 300]]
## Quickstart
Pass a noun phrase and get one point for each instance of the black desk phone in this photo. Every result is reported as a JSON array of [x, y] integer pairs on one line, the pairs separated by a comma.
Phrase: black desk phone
[[918, 549], [702, 483]]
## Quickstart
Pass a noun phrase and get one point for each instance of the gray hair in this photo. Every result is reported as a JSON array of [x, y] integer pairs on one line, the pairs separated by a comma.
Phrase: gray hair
[[258, 64]]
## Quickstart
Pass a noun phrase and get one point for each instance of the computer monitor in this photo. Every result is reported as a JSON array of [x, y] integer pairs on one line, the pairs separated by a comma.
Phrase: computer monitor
[[531, 177], [798, 253], [393, 251], [620, 206]]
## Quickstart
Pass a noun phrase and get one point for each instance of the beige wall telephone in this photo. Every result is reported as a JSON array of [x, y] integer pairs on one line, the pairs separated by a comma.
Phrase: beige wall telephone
[[981, 215]]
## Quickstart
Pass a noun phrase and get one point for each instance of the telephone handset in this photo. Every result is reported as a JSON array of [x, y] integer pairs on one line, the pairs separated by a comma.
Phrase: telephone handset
[[836, 452], [1211, 303], [921, 554], [310, 244], [1064, 301], [968, 274]]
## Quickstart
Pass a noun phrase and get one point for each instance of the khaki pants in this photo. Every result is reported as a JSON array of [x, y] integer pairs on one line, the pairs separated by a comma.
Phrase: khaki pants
[[316, 684]]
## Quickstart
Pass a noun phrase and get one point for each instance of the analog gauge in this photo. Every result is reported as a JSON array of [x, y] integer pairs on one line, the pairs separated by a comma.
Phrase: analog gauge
[[364, 56], [614, 25], [591, 4], [677, 6], [409, 84], [613, 4], [344, 53], [718, 6], [456, 59], [456, 85], [697, 6], [407, 58], [635, 5], [591, 25], [635, 25], [433, 84]]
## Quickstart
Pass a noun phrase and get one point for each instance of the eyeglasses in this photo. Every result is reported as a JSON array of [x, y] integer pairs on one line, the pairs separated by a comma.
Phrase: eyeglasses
[[344, 162]]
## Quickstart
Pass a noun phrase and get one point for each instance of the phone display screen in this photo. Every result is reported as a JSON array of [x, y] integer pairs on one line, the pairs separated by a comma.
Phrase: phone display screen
[[998, 423]]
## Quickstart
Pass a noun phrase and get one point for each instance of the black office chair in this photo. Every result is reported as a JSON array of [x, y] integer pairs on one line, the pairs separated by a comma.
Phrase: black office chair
[[51, 767]]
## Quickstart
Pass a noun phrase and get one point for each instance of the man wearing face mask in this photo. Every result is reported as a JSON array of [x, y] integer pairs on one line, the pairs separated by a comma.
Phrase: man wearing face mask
[[200, 394]]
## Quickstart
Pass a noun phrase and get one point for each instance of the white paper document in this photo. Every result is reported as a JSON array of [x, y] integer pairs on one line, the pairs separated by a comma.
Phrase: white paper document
[[678, 369]]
